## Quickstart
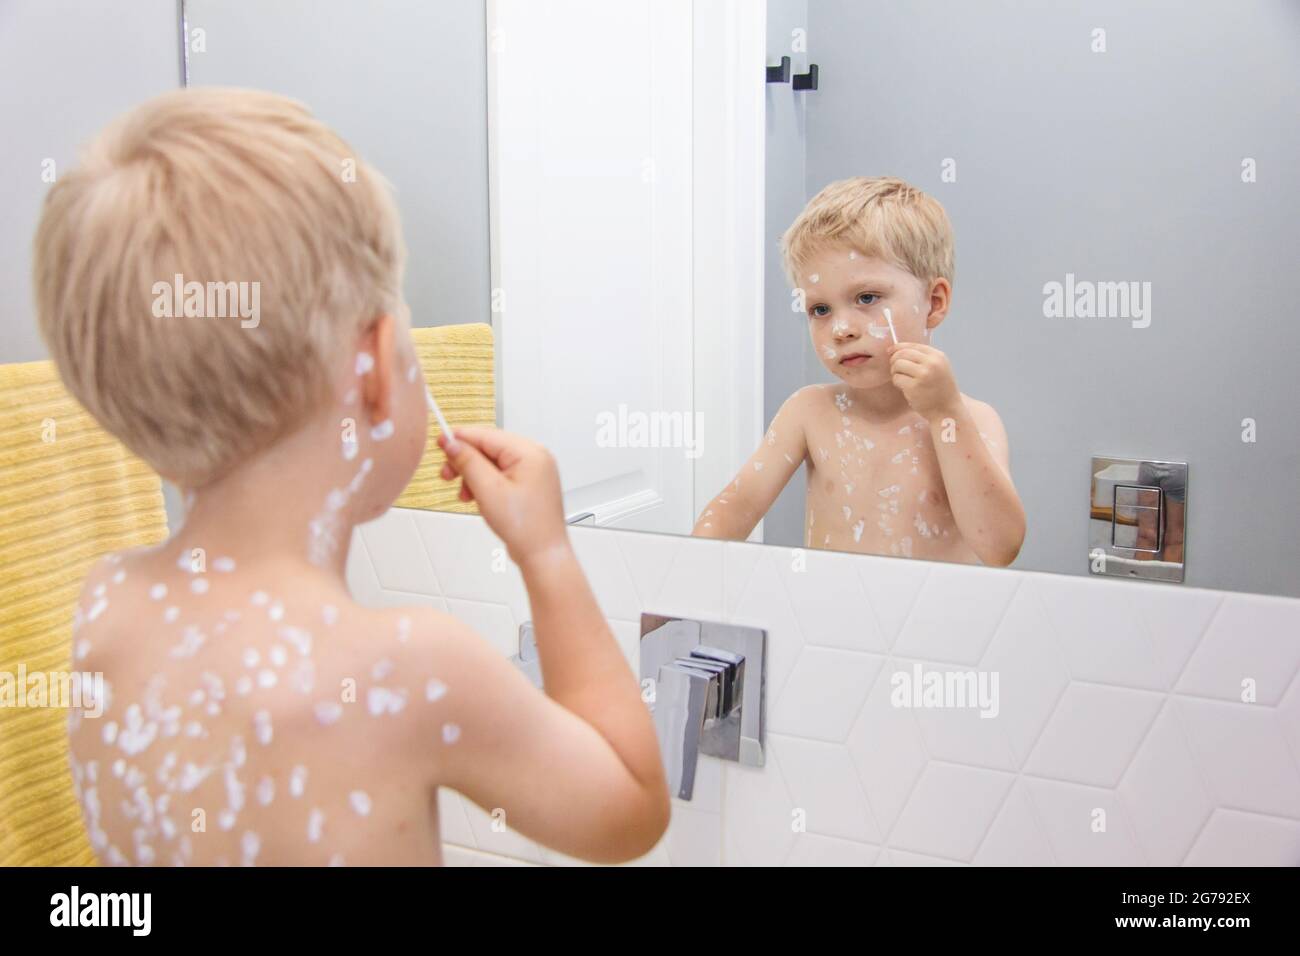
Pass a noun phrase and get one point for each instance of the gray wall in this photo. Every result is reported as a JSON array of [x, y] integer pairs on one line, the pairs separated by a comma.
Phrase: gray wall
[[67, 67], [788, 359], [405, 83], [1124, 165]]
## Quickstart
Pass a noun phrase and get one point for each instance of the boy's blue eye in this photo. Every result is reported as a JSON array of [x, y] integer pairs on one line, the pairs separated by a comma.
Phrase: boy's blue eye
[[819, 310], [867, 295]]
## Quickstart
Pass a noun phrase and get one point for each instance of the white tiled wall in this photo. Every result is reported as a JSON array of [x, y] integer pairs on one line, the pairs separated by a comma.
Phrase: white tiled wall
[[1122, 736]]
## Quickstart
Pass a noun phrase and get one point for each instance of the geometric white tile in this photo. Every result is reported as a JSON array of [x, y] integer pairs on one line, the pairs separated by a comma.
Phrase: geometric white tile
[[739, 558], [763, 603], [467, 558], [1242, 755], [1015, 839], [493, 622], [823, 693], [675, 576], [892, 586], [1198, 766], [459, 856], [950, 811], [1101, 635], [757, 816], [452, 820], [823, 586], [956, 614], [1234, 838], [1093, 734], [959, 733], [887, 751], [811, 849], [1163, 793], [1086, 826], [823, 785], [399, 558], [495, 836], [899, 857], [1253, 639], [602, 561], [1288, 713], [405, 599], [1175, 619], [362, 583], [1031, 672], [694, 838]]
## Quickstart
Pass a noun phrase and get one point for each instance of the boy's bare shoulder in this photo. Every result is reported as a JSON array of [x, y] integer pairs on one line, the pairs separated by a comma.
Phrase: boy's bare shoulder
[[991, 429], [983, 411], [423, 643], [809, 400]]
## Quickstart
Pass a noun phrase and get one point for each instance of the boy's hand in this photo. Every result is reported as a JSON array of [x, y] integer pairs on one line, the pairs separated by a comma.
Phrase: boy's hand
[[923, 375], [516, 484]]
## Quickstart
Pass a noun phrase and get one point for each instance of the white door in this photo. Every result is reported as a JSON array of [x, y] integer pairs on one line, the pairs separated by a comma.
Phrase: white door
[[590, 190]]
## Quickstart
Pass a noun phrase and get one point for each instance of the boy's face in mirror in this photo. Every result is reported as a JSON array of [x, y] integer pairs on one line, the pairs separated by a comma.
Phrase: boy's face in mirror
[[845, 295]]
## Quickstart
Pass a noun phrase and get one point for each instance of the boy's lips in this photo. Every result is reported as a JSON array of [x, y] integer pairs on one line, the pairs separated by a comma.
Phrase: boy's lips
[[856, 359]]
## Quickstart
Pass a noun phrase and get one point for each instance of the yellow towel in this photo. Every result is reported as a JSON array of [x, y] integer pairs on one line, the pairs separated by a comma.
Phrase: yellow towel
[[69, 493], [457, 364]]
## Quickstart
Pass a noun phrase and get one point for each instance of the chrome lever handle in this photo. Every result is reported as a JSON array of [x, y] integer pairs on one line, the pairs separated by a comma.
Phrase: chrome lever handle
[[527, 660], [707, 685], [680, 707]]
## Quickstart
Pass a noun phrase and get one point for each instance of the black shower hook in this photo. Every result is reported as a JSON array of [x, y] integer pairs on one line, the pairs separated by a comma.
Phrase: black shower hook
[[806, 81], [779, 74]]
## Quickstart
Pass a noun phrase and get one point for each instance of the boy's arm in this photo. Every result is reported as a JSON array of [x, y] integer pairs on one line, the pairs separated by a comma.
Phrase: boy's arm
[[576, 768], [733, 514], [976, 471]]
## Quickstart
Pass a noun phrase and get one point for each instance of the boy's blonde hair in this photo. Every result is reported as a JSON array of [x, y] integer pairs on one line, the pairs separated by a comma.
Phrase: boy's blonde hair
[[882, 217], [217, 186]]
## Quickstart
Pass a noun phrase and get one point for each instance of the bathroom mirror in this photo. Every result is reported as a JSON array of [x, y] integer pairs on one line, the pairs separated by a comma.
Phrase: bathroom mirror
[[606, 184]]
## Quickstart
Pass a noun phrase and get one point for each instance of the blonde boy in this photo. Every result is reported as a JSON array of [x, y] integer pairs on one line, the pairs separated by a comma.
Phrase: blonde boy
[[899, 460], [254, 712]]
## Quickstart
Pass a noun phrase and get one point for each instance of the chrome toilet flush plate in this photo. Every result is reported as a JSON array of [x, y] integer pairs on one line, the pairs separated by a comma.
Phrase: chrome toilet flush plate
[[1138, 519]]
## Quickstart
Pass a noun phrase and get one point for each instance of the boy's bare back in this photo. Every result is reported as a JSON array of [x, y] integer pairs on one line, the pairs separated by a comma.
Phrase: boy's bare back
[[249, 718]]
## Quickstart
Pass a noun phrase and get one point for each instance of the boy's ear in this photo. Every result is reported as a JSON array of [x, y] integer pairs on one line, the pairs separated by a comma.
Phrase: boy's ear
[[940, 301], [377, 384]]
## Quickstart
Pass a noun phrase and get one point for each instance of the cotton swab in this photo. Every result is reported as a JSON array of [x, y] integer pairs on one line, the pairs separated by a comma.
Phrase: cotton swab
[[437, 413], [890, 319]]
